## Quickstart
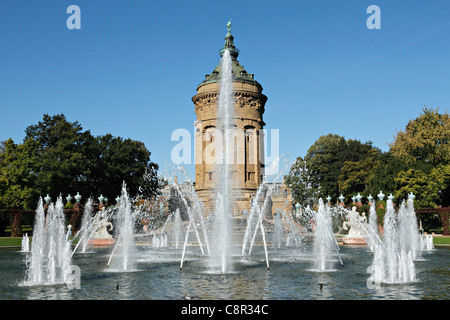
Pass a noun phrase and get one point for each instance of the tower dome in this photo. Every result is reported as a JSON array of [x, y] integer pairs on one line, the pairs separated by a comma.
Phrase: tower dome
[[238, 71]]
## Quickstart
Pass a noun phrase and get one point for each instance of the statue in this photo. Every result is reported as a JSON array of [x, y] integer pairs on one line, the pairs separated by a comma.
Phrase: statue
[[102, 226], [355, 225], [229, 26]]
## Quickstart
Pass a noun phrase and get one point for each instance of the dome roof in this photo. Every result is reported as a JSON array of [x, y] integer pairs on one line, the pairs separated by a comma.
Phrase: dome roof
[[238, 71]]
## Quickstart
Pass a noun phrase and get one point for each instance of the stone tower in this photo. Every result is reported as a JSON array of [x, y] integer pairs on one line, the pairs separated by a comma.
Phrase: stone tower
[[247, 168]]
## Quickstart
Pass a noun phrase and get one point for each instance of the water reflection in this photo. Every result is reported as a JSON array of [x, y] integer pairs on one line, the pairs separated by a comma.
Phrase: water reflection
[[289, 277]]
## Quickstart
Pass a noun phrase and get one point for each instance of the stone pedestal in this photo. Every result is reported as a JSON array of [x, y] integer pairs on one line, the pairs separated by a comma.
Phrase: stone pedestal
[[97, 242]]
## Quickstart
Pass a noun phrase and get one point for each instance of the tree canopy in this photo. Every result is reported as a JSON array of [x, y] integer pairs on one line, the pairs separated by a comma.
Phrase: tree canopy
[[341, 165], [58, 157], [18, 174], [418, 161], [425, 138]]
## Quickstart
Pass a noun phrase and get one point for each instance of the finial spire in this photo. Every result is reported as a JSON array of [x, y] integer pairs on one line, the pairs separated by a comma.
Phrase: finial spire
[[229, 45]]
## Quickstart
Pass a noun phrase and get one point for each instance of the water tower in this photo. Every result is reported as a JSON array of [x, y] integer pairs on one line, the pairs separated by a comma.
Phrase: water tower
[[247, 169]]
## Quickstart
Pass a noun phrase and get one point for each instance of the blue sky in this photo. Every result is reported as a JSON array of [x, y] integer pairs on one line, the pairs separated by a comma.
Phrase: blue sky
[[133, 67]]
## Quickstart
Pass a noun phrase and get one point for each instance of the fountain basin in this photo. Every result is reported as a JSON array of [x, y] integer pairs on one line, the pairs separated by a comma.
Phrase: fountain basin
[[158, 277], [354, 241], [101, 242]]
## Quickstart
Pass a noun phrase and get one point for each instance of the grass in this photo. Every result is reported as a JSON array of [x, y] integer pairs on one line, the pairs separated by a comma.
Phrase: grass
[[15, 241], [10, 242], [441, 240]]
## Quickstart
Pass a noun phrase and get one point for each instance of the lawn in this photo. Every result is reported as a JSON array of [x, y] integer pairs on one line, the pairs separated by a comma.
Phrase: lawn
[[10, 242], [441, 240], [14, 241]]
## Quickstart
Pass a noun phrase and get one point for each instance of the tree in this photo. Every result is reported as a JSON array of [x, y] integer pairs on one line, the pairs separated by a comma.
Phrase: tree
[[425, 186], [425, 147], [303, 183], [442, 174], [327, 156], [425, 138], [114, 160], [431, 187], [62, 161], [355, 175], [71, 160], [324, 158], [383, 174], [18, 167]]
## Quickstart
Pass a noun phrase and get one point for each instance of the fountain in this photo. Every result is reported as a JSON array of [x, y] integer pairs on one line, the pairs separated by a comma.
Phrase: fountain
[[393, 260], [255, 222], [122, 257], [25, 247], [86, 228], [324, 240], [426, 243], [49, 260], [277, 230], [160, 240], [409, 230], [373, 224], [285, 231], [221, 241], [211, 240], [177, 232], [196, 221]]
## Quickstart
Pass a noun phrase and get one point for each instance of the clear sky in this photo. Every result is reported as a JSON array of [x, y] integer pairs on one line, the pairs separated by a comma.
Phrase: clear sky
[[133, 67]]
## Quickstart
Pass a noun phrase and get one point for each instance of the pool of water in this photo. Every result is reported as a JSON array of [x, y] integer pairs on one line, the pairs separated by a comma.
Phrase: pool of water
[[291, 276]]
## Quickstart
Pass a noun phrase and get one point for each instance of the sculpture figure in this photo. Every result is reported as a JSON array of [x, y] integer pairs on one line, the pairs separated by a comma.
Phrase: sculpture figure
[[102, 227]]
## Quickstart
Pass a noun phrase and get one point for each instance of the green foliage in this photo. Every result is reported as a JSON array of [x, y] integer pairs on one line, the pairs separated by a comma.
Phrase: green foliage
[[342, 166], [324, 158], [425, 146], [418, 162], [303, 183], [442, 174], [425, 138], [113, 160], [385, 170], [62, 162], [18, 167], [58, 158], [69, 205], [355, 175], [381, 211], [429, 187]]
